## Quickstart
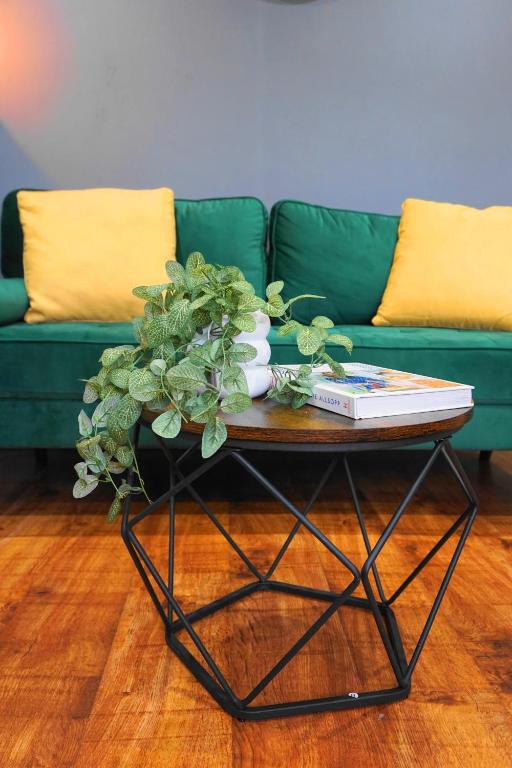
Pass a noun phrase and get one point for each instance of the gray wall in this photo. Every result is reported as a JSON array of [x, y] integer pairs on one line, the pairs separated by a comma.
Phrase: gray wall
[[353, 103]]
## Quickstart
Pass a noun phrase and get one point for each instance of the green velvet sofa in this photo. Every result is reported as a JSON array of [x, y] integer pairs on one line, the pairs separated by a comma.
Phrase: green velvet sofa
[[342, 255]]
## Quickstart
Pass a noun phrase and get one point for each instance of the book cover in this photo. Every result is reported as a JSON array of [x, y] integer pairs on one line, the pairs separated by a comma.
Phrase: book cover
[[370, 390]]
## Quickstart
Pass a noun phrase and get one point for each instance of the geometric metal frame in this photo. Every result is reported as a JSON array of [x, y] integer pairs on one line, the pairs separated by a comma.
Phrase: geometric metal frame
[[176, 621]]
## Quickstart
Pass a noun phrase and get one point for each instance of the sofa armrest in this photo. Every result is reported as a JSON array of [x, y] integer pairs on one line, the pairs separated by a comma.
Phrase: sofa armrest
[[13, 300]]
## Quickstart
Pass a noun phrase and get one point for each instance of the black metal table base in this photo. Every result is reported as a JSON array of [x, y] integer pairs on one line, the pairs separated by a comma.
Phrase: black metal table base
[[376, 601]]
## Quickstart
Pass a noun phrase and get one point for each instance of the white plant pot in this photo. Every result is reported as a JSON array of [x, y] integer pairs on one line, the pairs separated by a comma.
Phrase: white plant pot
[[259, 379], [258, 375]]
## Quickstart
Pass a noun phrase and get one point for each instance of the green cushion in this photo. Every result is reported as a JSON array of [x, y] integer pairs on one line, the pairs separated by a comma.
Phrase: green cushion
[[40, 387], [481, 358], [49, 359], [13, 300], [47, 424], [342, 255], [229, 230], [12, 237]]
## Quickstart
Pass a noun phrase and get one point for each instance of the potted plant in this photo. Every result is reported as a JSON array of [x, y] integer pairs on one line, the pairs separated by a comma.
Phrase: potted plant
[[189, 363]]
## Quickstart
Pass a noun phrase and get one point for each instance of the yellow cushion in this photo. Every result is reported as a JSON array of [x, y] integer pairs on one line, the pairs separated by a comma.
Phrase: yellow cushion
[[452, 268], [84, 251]]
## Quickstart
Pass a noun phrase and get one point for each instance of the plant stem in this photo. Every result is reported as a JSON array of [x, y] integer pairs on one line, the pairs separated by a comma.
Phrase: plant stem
[[136, 465]]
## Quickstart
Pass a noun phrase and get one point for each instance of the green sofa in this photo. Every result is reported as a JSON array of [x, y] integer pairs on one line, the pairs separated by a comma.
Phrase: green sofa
[[342, 255]]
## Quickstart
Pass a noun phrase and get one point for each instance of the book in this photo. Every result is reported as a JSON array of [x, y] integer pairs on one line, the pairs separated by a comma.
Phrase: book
[[369, 391]]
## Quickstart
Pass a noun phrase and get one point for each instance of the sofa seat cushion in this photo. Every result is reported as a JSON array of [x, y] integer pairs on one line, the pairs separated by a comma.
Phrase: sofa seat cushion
[[48, 360], [481, 358], [342, 255]]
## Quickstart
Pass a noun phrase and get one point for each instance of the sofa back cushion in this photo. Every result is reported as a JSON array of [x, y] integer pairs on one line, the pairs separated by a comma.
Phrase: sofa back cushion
[[226, 230], [229, 230], [343, 255]]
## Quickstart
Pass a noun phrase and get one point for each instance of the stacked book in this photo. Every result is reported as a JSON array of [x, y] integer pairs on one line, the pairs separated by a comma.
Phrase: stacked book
[[368, 391]]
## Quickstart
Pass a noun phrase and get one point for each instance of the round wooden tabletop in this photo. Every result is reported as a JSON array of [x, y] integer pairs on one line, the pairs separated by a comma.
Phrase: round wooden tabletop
[[269, 422]]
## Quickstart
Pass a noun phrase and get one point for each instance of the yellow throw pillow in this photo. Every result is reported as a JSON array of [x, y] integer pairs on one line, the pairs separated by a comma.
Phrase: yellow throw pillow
[[84, 250], [452, 268]]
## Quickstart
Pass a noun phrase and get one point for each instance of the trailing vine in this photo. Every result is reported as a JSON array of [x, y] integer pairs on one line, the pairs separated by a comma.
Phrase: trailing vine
[[174, 370]]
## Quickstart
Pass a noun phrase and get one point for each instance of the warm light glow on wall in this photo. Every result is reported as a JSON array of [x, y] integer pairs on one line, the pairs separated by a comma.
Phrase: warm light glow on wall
[[33, 59]]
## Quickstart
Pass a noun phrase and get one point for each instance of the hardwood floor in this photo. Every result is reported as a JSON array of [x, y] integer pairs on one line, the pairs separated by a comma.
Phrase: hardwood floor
[[87, 681]]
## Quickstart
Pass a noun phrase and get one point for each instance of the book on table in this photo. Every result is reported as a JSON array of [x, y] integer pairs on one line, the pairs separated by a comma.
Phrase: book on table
[[368, 391]]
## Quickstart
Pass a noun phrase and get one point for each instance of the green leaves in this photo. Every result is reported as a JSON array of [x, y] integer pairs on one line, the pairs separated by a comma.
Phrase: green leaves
[[201, 354], [170, 373], [91, 391], [158, 366], [157, 330], [81, 470], [179, 316], [100, 415], [92, 455], [303, 296], [84, 486], [342, 341], [116, 355], [275, 306], [122, 492], [86, 446], [124, 455], [119, 435], [176, 274], [165, 351], [234, 380], [292, 387], [244, 322], [108, 444], [124, 415], [203, 407], [151, 293], [119, 377], [308, 340], [250, 303], [185, 376], [274, 288], [200, 301], [115, 468], [214, 435], [322, 322], [335, 367], [84, 424], [292, 326], [241, 353], [168, 424], [194, 262], [196, 270], [143, 385], [299, 399], [243, 286], [114, 510], [236, 402]]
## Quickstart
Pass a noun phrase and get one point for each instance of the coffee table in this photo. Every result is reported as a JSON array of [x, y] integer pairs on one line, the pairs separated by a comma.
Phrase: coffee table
[[268, 426]]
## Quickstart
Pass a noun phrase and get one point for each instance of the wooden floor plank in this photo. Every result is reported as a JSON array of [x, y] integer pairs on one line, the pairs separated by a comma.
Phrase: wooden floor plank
[[87, 680]]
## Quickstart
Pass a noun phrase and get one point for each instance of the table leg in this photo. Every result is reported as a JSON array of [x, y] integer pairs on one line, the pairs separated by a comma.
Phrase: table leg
[[376, 602]]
